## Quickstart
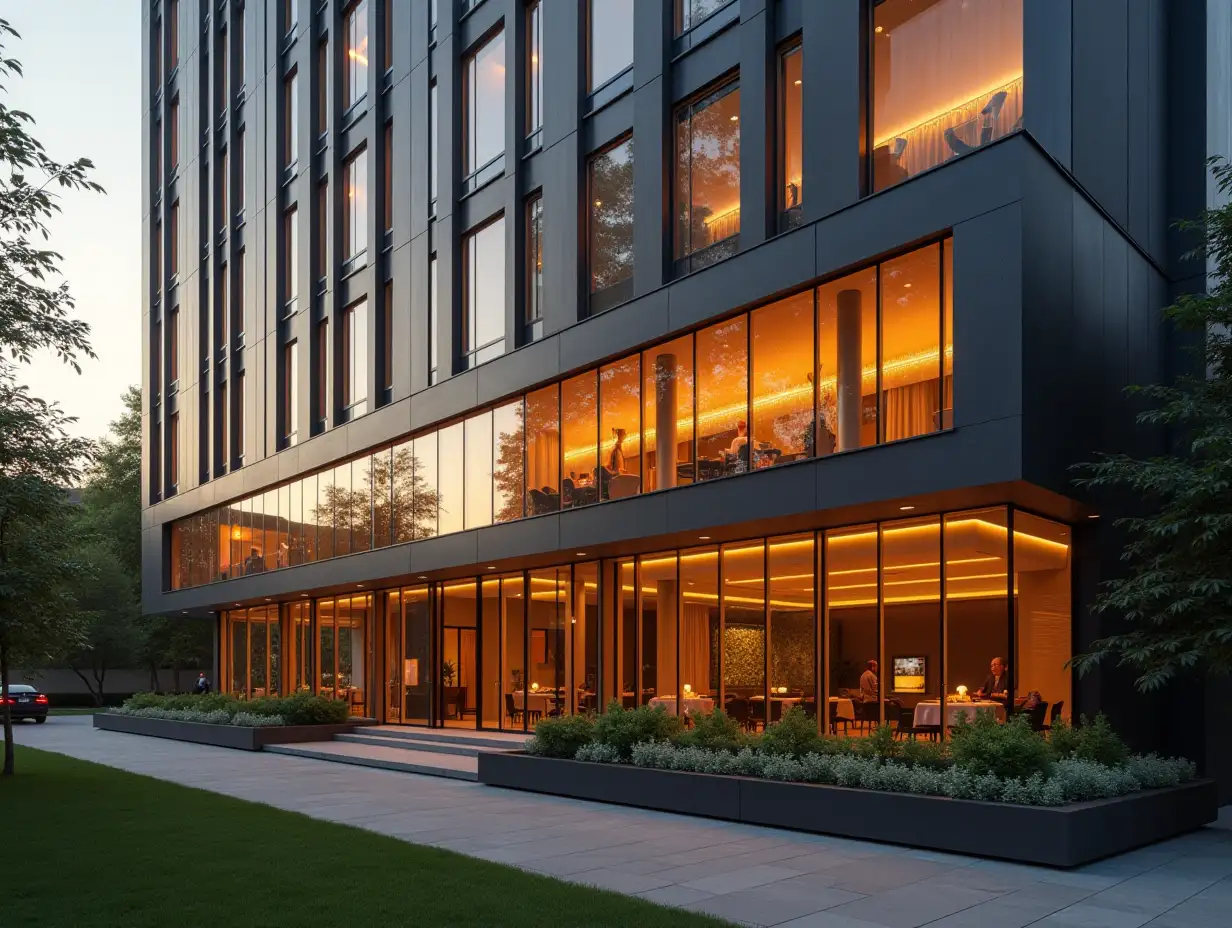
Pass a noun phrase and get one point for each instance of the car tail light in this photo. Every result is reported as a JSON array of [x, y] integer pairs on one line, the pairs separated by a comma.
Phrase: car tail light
[[10, 701], [42, 700]]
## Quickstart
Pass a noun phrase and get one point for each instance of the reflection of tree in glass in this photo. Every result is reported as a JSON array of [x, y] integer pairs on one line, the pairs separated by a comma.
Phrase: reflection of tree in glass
[[708, 172], [415, 503], [377, 480], [611, 217], [509, 473], [348, 507]]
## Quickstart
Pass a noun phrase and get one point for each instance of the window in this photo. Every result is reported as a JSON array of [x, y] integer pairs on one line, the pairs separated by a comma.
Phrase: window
[[611, 41], [224, 301], [322, 78], [534, 266], [387, 337], [290, 102], [483, 296], [690, 13], [156, 350], [224, 428], [534, 72], [290, 15], [433, 141], [667, 413], [355, 72], [241, 194], [173, 132], [290, 240], [322, 366], [389, 177], [388, 49], [707, 194], [173, 346], [933, 97], [791, 162], [781, 336], [355, 358], [579, 400], [224, 79], [508, 464], [478, 467], [159, 269], [241, 300], [722, 399], [620, 429], [159, 38], [290, 394], [173, 247], [224, 184], [241, 396], [483, 139], [240, 57], [355, 227], [173, 35], [611, 226], [173, 451], [543, 450], [433, 321], [322, 268], [914, 389], [847, 354]]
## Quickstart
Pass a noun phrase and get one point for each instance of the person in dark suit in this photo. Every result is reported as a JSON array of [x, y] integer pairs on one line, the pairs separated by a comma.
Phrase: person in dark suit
[[997, 684]]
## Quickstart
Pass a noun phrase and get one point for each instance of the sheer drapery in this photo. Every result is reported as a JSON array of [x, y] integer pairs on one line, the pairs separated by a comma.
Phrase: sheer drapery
[[695, 648], [910, 410]]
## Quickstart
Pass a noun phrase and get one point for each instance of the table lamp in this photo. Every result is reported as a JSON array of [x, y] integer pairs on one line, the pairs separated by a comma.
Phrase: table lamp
[[688, 690], [961, 691], [534, 687]]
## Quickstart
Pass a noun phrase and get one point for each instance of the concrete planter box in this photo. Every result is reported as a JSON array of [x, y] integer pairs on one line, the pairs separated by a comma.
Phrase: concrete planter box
[[223, 736], [1064, 836]]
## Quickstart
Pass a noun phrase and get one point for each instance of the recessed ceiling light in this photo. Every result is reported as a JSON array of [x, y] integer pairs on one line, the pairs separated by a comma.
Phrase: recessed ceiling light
[[798, 83], [185, 612], [268, 600], [490, 567], [303, 594], [878, 29], [907, 286], [423, 576], [237, 604], [703, 537], [735, 119], [598, 203], [905, 508], [359, 586], [581, 554], [1092, 517]]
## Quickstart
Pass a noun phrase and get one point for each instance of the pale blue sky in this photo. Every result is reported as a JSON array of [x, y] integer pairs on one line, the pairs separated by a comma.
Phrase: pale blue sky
[[82, 61]]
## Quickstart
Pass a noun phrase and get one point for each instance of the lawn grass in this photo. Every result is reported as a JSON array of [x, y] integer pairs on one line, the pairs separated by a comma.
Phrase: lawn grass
[[92, 845]]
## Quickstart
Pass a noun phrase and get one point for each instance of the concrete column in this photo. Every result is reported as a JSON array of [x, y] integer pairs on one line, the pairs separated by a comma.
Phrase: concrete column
[[665, 421], [666, 599], [850, 371]]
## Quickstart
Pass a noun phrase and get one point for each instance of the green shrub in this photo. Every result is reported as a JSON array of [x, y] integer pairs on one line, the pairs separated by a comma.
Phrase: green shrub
[[882, 744], [714, 730], [1009, 751], [211, 702], [562, 736], [622, 728], [795, 735], [931, 755], [1091, 740], [301, 709]]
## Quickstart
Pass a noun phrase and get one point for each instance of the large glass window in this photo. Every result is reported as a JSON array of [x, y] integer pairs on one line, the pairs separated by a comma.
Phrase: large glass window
[[707, 186], [534, 71], [449, 479], [534, 266], [483, 139], [744, 626], [782, 342], [355, 69], [427, 501], [1044, 628], [355, 216], [946, 79], [723, 399], [690, 13], [620, 431], [483, 293], [667, 413], [610, 50], [912, 378], [433, 141], [657, 603], [416, 654], [509, 470], [611, 226], [290, 403], [517, 712], [790, 596], [847, 361], [290, 259], [290, 104], [791, 163], [851, 629], [355, 358], [911, 622], [543, 488], [579, 398], [478, 470]]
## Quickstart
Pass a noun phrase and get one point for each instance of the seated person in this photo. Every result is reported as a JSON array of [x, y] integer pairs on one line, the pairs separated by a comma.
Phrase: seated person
[[616, 460], [868, 683], [741, 439], [997, 684]]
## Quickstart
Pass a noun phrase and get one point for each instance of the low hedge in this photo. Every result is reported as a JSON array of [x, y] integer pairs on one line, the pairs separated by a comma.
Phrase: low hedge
[[984, 759], [225, 709]]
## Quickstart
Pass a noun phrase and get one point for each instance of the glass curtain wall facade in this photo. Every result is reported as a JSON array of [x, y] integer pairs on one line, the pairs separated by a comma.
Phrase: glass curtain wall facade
[[857, 361], [894, 622]]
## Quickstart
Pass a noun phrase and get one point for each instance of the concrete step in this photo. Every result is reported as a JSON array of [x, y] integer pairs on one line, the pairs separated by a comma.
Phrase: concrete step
[[384, 758], [382, 739], [491, 740]]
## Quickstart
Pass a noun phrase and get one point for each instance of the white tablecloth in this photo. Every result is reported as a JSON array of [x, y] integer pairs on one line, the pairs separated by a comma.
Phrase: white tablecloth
[[536, 702], [846, 709], [692, 704], [928, 713]]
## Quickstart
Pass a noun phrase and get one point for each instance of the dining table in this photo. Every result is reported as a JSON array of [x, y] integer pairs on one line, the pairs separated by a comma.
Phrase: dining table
[[536, 700], [844, 708], [692, 704], [928, 711]]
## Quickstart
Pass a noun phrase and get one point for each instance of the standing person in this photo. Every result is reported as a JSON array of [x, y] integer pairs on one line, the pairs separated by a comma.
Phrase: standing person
[[202, 686]]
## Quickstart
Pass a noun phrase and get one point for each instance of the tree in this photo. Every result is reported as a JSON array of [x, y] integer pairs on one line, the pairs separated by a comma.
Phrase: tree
[[110, 632], [38, 458], [1175, 598]]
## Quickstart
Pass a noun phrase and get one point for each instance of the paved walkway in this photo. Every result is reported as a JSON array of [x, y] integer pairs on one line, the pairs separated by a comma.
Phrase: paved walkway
[[747, 874]]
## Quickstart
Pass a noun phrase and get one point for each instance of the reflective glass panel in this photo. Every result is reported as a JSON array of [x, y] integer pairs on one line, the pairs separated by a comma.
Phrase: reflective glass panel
[[782, 340], [723, 399], [620, 445], [579, 402], [667, 413], [509, 469]]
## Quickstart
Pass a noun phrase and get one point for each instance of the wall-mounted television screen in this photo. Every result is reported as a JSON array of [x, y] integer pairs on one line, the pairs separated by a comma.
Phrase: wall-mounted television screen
[[909, 675]]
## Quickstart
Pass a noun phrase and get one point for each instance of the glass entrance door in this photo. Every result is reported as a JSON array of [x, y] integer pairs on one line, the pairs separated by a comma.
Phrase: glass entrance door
[[459, 624]]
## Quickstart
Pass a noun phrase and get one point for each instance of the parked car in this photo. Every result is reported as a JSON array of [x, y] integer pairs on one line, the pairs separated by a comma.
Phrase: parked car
[[25, 702]]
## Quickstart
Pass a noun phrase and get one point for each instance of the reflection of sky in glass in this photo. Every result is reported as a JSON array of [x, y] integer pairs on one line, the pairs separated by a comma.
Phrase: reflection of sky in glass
[[611, 39], [486, 285], [486, 121]]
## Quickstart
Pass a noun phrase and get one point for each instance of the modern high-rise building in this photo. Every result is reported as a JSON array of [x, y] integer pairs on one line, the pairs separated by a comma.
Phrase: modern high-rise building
[[508, 358]]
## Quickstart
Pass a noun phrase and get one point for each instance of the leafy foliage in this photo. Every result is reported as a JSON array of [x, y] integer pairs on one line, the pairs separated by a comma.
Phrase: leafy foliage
[[561, 736], [296, 709], [714, 730], [1175, 599], [1093, 741], [1010, 750], [795, 734], [622, 728]]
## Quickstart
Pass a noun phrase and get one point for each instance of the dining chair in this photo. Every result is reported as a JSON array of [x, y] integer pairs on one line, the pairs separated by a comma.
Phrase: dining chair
[[1054, 714], [835, 719]]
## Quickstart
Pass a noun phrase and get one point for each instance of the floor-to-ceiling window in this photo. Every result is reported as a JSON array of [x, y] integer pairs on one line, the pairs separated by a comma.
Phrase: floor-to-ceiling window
[[459, 607]]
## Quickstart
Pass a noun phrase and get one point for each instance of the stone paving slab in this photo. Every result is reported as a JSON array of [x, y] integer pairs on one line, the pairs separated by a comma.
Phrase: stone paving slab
[[747, 874]]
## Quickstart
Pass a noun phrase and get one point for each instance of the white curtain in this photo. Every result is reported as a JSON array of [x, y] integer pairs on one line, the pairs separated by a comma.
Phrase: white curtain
[[695, 648]]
